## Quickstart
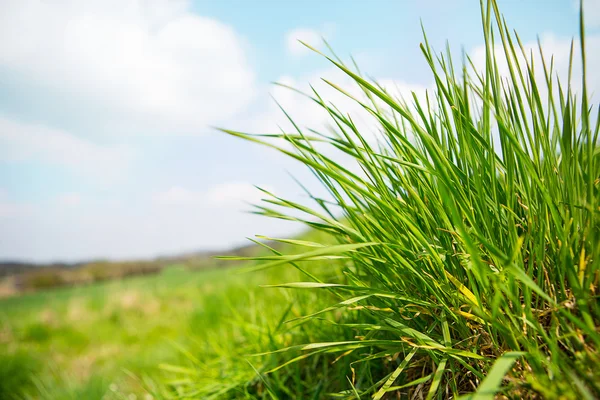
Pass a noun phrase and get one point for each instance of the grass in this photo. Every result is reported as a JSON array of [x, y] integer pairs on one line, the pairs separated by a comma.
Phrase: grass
[[76, 342], [467, 237], [105, 341]]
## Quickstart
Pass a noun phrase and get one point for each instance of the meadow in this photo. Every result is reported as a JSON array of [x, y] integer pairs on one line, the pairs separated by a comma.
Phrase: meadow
[[106, 340], [134, 338], [77, 342]]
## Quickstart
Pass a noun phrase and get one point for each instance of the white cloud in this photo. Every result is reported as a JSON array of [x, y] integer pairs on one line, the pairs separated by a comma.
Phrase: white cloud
[[310, 36], [22, 142], [153, 65]]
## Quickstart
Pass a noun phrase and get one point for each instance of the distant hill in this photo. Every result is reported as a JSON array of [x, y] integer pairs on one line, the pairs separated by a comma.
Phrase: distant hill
[[15, 267], [18, 277]]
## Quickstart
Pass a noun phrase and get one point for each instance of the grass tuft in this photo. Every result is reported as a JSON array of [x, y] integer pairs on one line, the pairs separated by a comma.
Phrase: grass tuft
[[466, 239]]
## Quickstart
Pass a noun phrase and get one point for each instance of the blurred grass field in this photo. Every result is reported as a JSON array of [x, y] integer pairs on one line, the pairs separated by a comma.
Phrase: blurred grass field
[[152, 336], [97, 341]]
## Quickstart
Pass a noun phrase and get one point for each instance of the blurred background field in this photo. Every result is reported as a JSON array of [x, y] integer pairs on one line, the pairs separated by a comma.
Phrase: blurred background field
[[79, 342], [97, 340], [134, 337]]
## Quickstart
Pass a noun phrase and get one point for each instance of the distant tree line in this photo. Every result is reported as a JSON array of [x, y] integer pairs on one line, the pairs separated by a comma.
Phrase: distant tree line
[[28, 277]]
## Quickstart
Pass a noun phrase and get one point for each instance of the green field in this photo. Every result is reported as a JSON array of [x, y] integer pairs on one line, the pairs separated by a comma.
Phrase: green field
[[98, 341], [77, 342], [139, 336]]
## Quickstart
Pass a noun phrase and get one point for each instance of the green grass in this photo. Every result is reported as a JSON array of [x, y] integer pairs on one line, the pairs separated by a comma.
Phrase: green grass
[[153, 336], [468, 237], [76, 342], [106, 340]]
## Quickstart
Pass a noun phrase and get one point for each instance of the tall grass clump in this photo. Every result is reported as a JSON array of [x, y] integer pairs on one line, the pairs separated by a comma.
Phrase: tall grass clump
[[468, 239]]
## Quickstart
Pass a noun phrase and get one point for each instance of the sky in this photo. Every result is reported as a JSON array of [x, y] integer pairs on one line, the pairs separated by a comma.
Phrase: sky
[[107, 108]]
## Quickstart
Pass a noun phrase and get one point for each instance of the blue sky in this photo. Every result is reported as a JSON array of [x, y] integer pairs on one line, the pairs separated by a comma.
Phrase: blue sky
[[105, 108]]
